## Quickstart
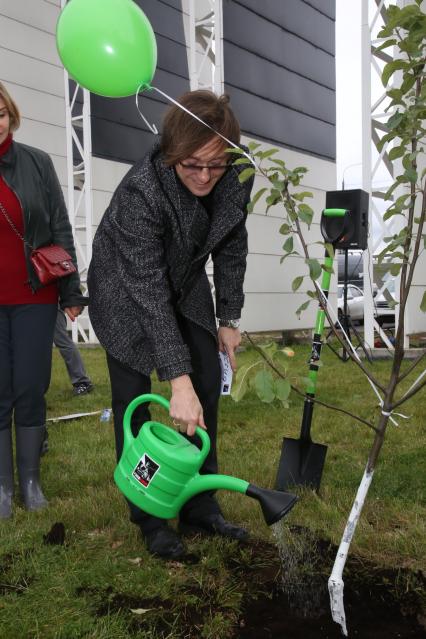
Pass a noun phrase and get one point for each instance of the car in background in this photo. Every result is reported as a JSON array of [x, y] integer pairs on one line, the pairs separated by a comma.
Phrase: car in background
[[383, 311], [355, 302]]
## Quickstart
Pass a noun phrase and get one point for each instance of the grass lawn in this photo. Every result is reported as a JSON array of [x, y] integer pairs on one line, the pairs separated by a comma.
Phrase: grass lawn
[[101, 583]]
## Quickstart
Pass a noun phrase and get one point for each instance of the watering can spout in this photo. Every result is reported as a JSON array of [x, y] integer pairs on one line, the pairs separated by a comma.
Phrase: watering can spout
[[274, 503]]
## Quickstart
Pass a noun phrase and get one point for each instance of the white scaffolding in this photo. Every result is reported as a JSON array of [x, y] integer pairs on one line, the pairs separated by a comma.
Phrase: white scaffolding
[[79, 182], [206, 45], [206, 57], [377, 168]]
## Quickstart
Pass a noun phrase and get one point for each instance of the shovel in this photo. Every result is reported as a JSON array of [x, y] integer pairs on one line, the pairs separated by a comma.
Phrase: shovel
[[302, 460]]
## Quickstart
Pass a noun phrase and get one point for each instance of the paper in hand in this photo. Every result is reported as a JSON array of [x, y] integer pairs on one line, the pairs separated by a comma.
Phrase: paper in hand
[[226, 374]]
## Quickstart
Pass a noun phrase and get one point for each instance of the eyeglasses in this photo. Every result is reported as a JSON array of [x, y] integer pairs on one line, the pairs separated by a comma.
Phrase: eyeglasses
[[197, 168]]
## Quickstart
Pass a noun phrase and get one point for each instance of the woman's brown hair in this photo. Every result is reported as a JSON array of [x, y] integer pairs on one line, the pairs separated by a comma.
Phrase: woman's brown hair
[[182, 134], [10, 104]]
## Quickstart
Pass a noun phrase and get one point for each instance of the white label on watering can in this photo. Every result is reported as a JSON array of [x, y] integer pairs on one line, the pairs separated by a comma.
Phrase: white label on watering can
[[145, 470], [226, 373]]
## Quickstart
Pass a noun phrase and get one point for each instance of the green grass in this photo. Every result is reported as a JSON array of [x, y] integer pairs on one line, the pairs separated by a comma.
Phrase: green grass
[[88, 587]]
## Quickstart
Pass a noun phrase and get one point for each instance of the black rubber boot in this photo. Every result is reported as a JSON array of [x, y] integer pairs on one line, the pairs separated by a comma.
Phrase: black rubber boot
[[164, 542], [6, 473], [29, 442]]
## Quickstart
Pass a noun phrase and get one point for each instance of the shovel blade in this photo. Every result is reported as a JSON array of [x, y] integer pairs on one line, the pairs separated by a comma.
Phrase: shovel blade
[[301, 464]]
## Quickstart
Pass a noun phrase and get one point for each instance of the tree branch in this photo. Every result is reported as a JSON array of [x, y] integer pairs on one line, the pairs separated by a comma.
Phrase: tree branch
[[408, 395], [411, 367], [301, 394]]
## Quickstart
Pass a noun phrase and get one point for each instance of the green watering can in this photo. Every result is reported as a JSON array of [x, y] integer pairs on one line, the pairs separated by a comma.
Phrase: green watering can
[[158, 470]]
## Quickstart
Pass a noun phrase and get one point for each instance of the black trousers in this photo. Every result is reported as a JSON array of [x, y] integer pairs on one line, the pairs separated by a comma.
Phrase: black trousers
[[26, 338], [126, 384]]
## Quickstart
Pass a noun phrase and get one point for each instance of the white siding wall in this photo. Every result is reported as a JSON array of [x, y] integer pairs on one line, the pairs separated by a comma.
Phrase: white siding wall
[[270, 302]]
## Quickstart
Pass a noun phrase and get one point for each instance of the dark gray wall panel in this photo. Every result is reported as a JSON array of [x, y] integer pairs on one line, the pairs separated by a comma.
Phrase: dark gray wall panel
[[129, 146], [328, 7], [280, 85], [279, 69], [270, 121], [269, 40], [295, 16], [118, 131]]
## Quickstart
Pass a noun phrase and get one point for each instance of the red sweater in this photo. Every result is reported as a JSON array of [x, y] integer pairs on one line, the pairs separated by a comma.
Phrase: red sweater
[[14, 287]]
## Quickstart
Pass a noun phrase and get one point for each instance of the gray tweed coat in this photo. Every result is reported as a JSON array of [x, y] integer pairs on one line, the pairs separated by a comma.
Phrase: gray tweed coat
[[147, 265]]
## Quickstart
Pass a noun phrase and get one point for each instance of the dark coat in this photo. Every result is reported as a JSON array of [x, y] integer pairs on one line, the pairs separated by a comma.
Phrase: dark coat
[[29, 172], [146, 265]]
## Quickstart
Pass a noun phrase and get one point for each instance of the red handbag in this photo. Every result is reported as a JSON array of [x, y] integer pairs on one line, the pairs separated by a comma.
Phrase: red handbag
[[50, 262]]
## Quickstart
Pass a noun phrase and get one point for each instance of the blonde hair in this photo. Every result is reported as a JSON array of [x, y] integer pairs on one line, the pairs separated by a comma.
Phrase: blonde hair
[[10, 104]]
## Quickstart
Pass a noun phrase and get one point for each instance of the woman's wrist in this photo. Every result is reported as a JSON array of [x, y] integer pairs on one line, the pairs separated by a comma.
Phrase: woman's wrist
[[182, 382]]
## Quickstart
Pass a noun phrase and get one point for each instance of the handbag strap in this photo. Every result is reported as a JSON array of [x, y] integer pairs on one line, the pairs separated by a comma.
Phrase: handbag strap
[[13, 227]]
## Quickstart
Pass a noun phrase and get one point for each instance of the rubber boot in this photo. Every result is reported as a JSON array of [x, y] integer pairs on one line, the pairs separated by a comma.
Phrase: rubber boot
[[6, 473], [29, 442]]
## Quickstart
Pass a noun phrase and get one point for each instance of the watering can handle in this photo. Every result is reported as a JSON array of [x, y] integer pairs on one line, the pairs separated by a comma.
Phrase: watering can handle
[[152, 397]]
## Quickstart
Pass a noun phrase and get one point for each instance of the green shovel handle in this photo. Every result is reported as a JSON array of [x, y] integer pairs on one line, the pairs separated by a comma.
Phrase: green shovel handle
[[152, 397]]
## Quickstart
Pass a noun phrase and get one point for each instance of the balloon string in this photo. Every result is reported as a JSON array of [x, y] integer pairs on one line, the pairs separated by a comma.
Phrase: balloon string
[[150, 87], [151, 127]]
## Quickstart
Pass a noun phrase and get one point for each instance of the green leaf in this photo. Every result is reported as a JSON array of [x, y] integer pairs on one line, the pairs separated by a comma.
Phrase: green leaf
[[243, 160], [282, 389], [411, 174], [423, 303], [315, 269], [390, 68], [301, 196], [267, 154], [302, 308], [232, 149], [394, 269], [253, 145], [288, 244], [305, 213], [385, 45], [396, 152], [264, 385], [246, 174], [390, 213], [255, 199], [329, 248], [240, 385], [285, 229], [395, 120], [297, 282], [280, 163]]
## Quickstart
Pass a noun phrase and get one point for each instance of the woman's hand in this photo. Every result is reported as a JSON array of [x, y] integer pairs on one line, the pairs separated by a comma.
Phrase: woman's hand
[[185, 407], [229, 340], [73, 312]]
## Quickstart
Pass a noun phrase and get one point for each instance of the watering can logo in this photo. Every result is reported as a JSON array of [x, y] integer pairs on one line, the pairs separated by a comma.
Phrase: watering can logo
[[145, 470], [158, 470]]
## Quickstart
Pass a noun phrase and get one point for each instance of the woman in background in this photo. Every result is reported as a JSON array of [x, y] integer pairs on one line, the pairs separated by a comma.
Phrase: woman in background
[[32, 214]]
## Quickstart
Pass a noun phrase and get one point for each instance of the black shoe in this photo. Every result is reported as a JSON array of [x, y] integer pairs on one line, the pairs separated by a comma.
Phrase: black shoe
[[82, 388], [213, 524], [164, 542]]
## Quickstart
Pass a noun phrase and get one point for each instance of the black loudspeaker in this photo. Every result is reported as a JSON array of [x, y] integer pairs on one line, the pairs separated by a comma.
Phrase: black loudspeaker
[[356, 202]]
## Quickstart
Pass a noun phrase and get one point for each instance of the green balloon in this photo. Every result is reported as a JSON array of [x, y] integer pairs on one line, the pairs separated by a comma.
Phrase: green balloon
[[107, 46]]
